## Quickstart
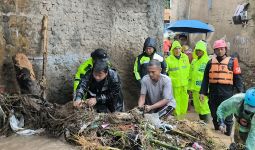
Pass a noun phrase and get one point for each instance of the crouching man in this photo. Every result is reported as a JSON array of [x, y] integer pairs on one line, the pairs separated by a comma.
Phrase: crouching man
[[243, 107], [101, 89], [156, 91]]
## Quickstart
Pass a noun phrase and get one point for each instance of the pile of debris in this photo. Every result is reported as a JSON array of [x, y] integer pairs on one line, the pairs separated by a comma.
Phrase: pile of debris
[[127, 130], [21, 112]]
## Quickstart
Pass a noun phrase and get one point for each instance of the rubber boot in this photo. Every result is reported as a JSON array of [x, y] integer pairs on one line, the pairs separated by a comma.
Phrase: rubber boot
[[228, 129], [229, 124], [216, 125], [205, 118]]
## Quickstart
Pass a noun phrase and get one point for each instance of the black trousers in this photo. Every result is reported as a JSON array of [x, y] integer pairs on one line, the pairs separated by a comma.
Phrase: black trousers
[[214, 102]]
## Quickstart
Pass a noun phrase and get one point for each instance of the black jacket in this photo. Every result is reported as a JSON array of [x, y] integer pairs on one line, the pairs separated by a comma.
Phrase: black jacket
[[107, 92], [142, 68], [221, 89]]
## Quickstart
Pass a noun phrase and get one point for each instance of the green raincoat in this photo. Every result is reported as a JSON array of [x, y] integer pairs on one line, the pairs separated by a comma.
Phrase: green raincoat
[[178, 71], [232, 106], [196, 75]]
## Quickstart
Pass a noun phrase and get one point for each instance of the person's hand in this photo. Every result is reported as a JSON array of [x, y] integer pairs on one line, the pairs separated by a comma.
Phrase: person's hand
[[91, 102], [202, 97], [222, 128], [77, 103], [148, 108], [141, 108]]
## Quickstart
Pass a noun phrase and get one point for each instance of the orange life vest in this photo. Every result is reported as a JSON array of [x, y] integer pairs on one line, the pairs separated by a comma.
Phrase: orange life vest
[[219, 72]]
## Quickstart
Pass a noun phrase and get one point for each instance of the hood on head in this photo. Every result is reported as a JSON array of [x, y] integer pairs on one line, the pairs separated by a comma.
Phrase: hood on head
[[174, 45], [201, 45], [150, 42]]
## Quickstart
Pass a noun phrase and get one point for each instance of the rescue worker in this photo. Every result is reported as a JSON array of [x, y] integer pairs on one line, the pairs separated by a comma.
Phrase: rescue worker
[[183, 39], [166, 46], [178, 70], [101, 88], [188, 51], [222, 74], [197, 69], [243, 107], [88, 64], [149, 52], [156, 91]]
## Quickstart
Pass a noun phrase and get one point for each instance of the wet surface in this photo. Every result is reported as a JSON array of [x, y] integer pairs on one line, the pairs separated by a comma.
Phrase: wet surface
[[217, 135], [16, 142]]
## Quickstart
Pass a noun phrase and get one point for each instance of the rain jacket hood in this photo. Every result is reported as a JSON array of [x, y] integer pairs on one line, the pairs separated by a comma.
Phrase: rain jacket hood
[[201, 46], [174, 45], [150, 42]]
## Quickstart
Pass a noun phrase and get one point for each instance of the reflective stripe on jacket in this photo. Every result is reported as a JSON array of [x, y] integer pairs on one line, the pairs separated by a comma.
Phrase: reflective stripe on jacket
[[83, 68], [197, 68], [142, 61], [178, 69]]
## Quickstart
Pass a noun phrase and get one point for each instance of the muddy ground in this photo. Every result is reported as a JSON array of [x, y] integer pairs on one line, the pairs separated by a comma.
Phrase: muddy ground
[[34, 143]]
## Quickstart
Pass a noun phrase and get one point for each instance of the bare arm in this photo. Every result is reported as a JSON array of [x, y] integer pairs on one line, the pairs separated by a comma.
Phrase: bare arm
[[143, 92], [141, 101]]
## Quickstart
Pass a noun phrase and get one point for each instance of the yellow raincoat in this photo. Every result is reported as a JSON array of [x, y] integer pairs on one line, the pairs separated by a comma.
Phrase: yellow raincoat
[[178, 71], [196, 77]]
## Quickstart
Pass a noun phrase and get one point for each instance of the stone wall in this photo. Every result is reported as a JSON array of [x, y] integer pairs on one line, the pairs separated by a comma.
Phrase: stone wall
[[75, 29]]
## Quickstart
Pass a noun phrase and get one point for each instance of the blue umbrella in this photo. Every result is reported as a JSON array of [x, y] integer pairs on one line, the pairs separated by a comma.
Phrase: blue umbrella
[[190, 26]]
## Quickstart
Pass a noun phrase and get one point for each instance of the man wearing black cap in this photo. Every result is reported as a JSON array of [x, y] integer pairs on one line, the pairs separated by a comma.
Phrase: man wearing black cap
[[97, 54], [101, 88]]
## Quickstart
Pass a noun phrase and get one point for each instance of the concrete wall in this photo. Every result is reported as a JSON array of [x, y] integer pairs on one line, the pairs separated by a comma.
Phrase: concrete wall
[[180, 9], [220, 16], [75, 29]]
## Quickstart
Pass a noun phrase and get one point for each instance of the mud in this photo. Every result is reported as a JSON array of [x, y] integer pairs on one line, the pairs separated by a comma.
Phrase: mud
[[34, 143], [216, 135]]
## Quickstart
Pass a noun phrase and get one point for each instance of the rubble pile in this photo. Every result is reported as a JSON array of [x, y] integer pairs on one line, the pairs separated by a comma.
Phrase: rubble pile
[[127, 130]]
